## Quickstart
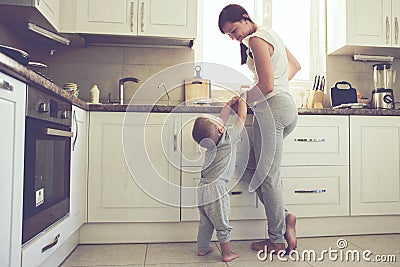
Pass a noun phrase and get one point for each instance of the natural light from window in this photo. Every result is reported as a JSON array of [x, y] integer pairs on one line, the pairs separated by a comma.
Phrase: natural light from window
[[297, 26]]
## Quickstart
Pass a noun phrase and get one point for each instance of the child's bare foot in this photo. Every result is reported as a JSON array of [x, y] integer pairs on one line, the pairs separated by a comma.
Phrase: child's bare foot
[[202, 253], [229, 256], [271, 246], [290, 234]]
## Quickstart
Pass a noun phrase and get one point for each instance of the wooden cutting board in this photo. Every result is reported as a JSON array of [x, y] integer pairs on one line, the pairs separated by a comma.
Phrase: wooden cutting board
[[197, 88]]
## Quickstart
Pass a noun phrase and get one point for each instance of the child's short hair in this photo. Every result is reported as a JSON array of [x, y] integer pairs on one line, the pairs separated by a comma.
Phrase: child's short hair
[[205, 132]]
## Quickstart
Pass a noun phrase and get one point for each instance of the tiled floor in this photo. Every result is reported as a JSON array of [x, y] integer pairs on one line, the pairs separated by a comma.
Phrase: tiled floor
[[184, 254]]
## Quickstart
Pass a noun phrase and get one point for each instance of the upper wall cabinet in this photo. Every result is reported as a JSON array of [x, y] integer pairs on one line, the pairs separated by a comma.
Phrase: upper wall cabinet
[[41, 12], [362, 26], [173, 18], [50, 10]]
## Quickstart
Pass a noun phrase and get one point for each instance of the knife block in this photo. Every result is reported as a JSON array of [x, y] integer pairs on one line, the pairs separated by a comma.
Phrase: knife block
[[315, 99]]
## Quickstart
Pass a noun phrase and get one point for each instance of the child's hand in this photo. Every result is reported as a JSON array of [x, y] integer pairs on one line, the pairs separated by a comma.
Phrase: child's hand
[[232, 101]]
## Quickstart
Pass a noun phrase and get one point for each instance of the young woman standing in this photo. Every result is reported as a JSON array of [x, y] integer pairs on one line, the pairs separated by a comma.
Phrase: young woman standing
[[275, 116]]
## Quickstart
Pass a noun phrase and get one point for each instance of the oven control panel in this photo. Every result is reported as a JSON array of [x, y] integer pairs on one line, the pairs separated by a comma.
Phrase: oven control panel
[[48, 106]]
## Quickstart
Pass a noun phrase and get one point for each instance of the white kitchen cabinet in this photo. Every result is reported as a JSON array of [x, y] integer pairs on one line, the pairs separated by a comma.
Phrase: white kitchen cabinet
[[375, 163], [318, 140], [315, 172], [316, 191], [12, 121], [50, 9], [79, 148], [118, 182], [354, 26], [173, 18], [244, 205]]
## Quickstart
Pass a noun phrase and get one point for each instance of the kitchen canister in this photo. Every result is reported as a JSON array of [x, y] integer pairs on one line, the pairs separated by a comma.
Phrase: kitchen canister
[[95, 94]]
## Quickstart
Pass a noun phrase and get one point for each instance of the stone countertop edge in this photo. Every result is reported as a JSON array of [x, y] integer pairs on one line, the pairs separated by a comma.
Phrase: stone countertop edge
[[21, 72]]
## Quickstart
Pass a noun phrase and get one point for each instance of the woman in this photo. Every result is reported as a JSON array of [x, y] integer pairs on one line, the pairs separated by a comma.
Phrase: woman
[[275, 116]]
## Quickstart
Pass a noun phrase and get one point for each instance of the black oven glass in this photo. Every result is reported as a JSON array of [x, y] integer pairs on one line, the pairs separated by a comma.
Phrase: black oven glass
[[46, 179]]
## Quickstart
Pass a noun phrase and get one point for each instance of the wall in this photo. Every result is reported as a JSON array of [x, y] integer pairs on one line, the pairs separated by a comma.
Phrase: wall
[[104, 66], [359, 74]]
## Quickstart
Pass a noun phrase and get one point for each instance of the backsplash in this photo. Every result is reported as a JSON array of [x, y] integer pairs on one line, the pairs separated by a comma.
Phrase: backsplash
[[359, 74], [104, 66]]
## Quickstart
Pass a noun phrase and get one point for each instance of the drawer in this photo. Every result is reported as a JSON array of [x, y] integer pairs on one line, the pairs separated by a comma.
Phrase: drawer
[[318, 140], [40, 248], [244, 205], [316, 191]]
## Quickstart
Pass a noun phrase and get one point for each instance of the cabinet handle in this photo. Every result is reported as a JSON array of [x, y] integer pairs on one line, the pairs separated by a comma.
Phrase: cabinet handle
[[132, 17], [315, 191], [175, 135], [56, 132], [142, 17], [235, 193], [6, 85], [310, 140], [396, 28], [387, 30], [76, 131], [49, 246]]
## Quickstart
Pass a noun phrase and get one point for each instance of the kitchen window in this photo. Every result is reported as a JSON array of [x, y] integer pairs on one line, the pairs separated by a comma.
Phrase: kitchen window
[[301, 27]]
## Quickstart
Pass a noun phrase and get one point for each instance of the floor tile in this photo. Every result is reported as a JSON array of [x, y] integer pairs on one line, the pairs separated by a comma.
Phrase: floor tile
[[396, 262], [378, 244], [198, 264], [179, 253], [107, 255]]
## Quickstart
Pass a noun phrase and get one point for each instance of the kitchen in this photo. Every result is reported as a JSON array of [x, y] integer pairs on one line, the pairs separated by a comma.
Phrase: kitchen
[[115, 215]]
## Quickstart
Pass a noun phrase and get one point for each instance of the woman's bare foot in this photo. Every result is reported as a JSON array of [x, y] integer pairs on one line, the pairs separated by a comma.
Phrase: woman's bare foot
[[290, 234], [229, 256], [271, 246], [202, 253]]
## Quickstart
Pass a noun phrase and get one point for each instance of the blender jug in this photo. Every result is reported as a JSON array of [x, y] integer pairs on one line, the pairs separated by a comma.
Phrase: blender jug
[[382, 95], [384, 76]]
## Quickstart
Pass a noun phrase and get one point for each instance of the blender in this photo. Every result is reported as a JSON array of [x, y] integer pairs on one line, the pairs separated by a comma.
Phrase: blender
[[382, 95]]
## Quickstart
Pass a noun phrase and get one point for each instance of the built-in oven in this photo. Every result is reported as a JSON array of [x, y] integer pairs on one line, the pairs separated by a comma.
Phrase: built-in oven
[[47, 161]]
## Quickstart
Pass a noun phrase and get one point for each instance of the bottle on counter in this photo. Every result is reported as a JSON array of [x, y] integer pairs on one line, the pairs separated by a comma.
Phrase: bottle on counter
[[95, 94]]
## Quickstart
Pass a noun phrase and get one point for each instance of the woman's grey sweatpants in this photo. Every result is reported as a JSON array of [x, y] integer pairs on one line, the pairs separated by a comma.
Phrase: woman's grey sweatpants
[[214, 214], [274, 119]]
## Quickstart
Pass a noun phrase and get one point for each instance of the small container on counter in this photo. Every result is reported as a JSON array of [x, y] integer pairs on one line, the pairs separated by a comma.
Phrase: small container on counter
[[95, 94]]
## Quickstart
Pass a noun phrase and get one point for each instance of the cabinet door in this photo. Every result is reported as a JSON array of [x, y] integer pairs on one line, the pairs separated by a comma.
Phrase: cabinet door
[[12, 121], [50, 10], [316, 191], [79, 165], [119, 183], [173, 18], [244, 205], [395, 23], [375, 159], [107, 17], [369, 22]]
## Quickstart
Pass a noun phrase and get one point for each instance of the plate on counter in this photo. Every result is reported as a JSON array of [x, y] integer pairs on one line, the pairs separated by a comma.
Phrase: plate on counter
[[351, 105]]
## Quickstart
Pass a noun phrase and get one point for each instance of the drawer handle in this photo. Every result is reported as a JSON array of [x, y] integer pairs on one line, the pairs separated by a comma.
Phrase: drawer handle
[[315, 191], [49, 246], [310, 140], [6, 85], [235, 193]]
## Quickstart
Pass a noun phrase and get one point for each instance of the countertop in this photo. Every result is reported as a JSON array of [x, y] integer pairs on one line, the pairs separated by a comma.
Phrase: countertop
[[19, 71]]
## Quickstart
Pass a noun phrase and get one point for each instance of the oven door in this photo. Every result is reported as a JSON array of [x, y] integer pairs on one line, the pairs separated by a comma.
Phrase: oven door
[[47, 175]]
